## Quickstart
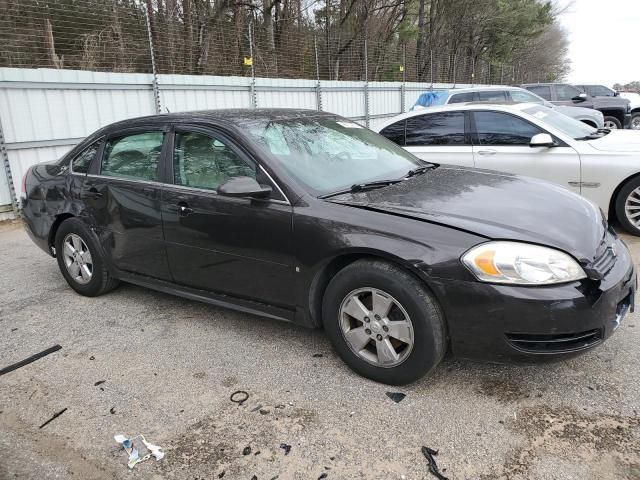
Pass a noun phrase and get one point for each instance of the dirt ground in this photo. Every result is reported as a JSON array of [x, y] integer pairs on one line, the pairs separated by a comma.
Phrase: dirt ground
[[168, 366]]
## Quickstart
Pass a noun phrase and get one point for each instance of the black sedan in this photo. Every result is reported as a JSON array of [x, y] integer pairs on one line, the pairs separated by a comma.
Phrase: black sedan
[[308, 217]]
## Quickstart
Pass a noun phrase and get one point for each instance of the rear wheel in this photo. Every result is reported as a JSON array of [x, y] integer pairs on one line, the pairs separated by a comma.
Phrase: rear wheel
[[635, 121], [383, 322], [628, 206], [612, 123], [80, 259]]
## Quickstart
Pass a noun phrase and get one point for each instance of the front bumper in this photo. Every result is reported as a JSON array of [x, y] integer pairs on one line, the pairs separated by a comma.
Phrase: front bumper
[[513, 323]]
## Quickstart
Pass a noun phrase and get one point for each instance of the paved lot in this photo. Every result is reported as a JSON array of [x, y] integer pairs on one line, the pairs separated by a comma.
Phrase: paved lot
[[169, 366]]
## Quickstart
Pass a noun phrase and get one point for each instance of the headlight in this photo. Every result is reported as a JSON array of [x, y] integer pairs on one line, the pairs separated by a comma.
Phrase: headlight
[[521, 264]]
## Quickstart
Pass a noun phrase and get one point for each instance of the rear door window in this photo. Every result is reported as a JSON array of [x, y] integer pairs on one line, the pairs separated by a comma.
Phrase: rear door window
[[461, 97], [498, 128], [442, 128], [394, 132], [543, 91], [133, 157], [492, 96]]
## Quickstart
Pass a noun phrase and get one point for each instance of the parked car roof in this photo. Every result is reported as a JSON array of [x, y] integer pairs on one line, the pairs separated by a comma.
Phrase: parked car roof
[[235, 116]]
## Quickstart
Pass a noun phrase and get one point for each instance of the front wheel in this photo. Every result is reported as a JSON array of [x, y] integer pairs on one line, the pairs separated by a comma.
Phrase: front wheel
[[635, 121], [383, 322], [612, 123], [628, 206]]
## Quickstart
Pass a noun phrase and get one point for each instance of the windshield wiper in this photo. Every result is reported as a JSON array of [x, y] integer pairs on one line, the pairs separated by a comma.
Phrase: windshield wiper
[[361, 187], [419, 170], [599, 133]]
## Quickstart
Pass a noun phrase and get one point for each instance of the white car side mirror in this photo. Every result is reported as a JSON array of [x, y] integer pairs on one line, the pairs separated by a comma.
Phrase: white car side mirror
[[542, 140]]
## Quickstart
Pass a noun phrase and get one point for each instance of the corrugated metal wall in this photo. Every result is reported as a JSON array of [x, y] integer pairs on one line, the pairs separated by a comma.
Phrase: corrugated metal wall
[[44, 112]]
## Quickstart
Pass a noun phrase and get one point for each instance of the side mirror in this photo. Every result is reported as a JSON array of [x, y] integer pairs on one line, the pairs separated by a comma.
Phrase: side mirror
[[542, 140], [243, 187], [616, 93], [579, 98]]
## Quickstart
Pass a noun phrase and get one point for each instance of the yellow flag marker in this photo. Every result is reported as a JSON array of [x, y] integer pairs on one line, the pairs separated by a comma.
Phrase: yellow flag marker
[[248, 61], [402, 68]]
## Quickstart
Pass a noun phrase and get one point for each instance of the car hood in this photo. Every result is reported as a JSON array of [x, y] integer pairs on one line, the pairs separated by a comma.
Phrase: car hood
[[577, 111], [493, 205], [618, 141]]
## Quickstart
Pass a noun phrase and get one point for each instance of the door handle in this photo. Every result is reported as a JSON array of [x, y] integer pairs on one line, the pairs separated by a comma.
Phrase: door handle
[[184, 210], [92, 193], [486, 152]]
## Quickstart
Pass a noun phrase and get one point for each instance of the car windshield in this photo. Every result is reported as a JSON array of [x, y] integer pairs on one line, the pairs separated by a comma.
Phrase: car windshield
[[329, 154], [567, 125]]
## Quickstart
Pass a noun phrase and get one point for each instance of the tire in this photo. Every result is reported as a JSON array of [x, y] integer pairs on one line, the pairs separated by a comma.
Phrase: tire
[[635, 121], [631, 188], [81, 239], [612, 123], [408, 298]]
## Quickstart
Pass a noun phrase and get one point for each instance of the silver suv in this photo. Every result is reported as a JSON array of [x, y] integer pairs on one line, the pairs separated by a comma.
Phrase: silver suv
[[502, 94]]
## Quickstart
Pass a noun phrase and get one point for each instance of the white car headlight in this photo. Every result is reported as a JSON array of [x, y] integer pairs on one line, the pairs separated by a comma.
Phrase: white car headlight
[[521, 264]]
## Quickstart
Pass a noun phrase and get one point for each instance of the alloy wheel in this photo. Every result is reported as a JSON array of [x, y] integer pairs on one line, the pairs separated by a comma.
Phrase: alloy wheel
[[376, 327], [77, 258], [610, 125], [632, 207], [635, 122]]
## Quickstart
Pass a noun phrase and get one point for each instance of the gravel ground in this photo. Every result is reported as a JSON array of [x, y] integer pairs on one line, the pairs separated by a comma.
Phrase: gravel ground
[[169, 366]]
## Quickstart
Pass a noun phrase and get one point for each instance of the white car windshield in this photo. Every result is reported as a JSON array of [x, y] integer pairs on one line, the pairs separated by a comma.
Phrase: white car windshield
[[567, 125], [330, 154]]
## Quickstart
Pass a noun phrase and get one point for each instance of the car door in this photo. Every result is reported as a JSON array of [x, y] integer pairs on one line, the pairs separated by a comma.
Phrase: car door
[[122, 193], [225, 245], [501, 142], [439, 137]]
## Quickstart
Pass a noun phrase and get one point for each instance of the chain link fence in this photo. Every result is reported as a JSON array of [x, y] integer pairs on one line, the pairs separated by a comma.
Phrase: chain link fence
[[225, 38]]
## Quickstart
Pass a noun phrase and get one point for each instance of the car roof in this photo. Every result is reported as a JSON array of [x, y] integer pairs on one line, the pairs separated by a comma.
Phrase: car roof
[[482, 89], [232, 116]]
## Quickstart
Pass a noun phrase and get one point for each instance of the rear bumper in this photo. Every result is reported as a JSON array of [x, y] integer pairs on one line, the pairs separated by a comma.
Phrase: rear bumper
[[511, 324]]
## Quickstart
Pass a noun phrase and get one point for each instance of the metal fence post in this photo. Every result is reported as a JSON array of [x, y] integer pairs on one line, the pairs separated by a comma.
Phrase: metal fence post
[[431, 67], [154, 82], [252, 85], [318, 88], [366, 85], [404, 78], [454, 70], [473, 71], [7, 170]]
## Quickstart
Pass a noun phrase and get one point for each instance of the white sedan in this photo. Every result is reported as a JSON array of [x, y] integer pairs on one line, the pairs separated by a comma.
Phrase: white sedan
[[529, 139]]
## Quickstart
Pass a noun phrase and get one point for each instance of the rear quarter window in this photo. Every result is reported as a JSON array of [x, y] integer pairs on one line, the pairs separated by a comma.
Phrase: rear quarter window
[[394, 132], [82, 161]]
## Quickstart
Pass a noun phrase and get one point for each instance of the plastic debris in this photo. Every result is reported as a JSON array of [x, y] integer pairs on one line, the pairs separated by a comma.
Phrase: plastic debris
[[55, 415], [396, 396], [29, 360], [433, 466], [239, 397], [139, 449], [246, 450], [286, 448], [99, 382], [317, 355]]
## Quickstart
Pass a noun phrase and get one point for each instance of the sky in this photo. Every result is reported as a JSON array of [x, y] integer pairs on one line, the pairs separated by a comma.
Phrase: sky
[[604, 39]]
